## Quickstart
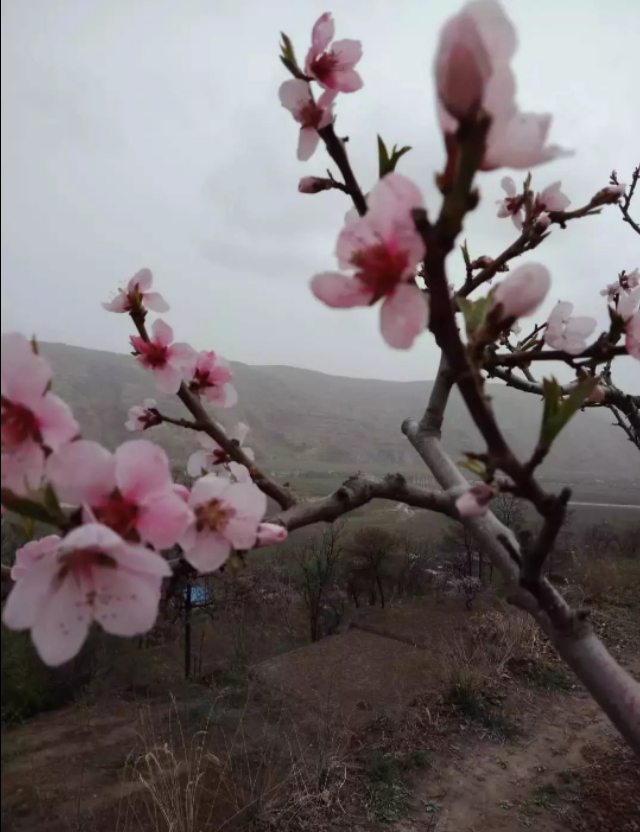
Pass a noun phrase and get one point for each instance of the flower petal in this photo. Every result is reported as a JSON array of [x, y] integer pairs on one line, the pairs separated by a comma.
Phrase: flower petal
[[340, 292], [403, 316], [82, 472]]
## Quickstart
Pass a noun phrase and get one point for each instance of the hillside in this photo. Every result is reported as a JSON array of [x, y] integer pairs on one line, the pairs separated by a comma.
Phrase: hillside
[[306, 420]]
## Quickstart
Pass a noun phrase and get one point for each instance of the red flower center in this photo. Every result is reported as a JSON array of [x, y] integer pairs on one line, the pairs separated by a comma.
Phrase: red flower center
[[80, 562], [324, 65], [18, 424], [380, 268], [155, 355], [119, 514], [310, 115]]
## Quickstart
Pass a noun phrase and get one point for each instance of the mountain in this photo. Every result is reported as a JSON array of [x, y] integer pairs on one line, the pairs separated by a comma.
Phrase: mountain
[[306, 420]]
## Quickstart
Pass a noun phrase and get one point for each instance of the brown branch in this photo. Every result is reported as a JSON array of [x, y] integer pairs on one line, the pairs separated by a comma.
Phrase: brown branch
[[283, 496], [337, 151], [631, 432], [625, 205], [600, 352]]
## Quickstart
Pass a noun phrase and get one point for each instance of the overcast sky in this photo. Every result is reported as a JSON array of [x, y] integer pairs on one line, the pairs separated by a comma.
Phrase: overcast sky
[[149, 133]]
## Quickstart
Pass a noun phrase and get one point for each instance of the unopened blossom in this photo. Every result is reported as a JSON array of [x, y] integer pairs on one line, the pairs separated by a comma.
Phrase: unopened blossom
[[142, 417], [475, 501], [522, 293], [34, 420], [137, 295], [131, 491], [314, 184], [472, 71], [542, 223], [164, 358], [296, 96], [212, 457], [92, 575], [513, 204], [269, 534], [597, 395], [29, 554], [552, 198], [610, 195], [226, 516], [211, 378], [333, 68], [567, 333], [383, 250]]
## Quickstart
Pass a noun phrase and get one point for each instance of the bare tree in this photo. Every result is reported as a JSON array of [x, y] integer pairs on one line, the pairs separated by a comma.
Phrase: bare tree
[[369, 551]]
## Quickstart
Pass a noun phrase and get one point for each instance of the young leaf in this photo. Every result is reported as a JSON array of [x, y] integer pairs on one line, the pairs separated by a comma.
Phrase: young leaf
[[474, 313], [558, 411], [287, 49], [465, 254], [476, 467], [383, 158], [25, 507]]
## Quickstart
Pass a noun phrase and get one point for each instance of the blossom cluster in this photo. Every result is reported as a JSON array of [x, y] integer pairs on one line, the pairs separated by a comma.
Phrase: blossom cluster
[[117, 511]]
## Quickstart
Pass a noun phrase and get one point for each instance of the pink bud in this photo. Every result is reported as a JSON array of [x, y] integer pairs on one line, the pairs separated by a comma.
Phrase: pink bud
[[609, 195], [314, 184], [597, 395], [522, 292], [542, 223], [269, 533], [475, 501]]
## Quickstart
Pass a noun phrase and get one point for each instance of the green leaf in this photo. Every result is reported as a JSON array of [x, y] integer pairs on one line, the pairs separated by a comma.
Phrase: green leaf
[[287, 49], [476, 467], [465, 254], [383, 158], [25, 507], [28, 528], [50, 499], [387, 161], [558, 411], [474, 313]]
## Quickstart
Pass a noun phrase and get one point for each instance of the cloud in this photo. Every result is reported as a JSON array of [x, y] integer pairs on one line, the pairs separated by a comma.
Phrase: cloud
[[149, 133]]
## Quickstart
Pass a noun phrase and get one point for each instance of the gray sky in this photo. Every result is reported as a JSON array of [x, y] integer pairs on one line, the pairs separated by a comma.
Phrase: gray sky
[[149, 133]]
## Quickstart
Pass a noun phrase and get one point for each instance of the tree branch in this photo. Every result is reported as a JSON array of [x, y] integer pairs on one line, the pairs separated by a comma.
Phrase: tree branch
[[283, 496], [337, 151], [625, 205], [600, 352]]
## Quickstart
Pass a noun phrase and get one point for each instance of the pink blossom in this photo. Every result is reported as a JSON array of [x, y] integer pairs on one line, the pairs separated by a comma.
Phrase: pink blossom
[[314, 184], [137, 296], [131, 491], [512, 205], [269, 534], [566, 333], [597, 395], [542, 223], [211, 378], [475, 501], [226, 515], [34, 420], [611, 291], [383, 249], [333, 69], [552, 198], [520, 294], [295, 96], [31, 553], [628, 303], [165, 359], [631, 280], [93, 575], [141, 417], [632, 335], [515, 139], [213, 457], [182, 491], [609, 195]]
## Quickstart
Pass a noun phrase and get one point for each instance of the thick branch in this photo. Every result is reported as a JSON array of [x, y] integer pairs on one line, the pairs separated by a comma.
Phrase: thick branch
[[359, 490], [615, 690]]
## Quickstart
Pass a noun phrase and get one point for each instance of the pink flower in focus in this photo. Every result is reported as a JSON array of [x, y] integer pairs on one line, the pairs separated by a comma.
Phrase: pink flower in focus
[[566, 333], [138, 296], [141, 417], [31, 553], [333, 69], [512, 205], [131, 491], [93, 575], [213, 457], [226, 515], [520, 294], [295, 96], [163, 358], [515, 139], [211, 379], [383, 249], [34, 419], [269, 534], [475, 501], [552, 199]]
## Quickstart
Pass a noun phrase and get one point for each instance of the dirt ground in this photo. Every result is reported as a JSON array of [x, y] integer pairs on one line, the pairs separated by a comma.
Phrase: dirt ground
[[406, 745]]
